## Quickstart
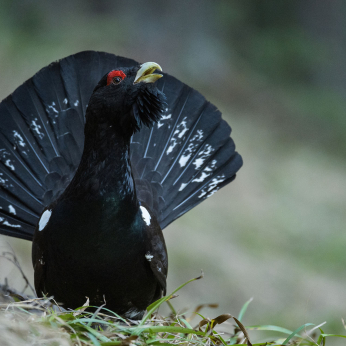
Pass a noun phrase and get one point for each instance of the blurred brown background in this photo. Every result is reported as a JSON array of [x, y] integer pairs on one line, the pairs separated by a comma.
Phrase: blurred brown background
[[276, 69]]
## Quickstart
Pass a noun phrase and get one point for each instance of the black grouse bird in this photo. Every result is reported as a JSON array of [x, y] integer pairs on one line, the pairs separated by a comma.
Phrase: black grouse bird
[[94, 203]]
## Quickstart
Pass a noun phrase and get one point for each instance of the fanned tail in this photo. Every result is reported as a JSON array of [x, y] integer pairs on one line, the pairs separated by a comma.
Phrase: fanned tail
[[183, 159], [191, 149]]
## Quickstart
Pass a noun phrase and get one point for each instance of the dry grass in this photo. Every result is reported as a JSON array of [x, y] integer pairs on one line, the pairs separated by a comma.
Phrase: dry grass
[[39, 321]]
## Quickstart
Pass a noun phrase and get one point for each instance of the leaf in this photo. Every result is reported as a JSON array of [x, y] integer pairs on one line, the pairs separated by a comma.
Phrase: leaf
[[270, 328], [187, 324], [93, 339], [338, 335], [67, 316], [321, 338], [243, 309], [242, 328], [96, 334], [171, 307], [92, 320], [96, 313], [222, 318], [154, 306], [156, 303], [199, 308], [115, 314], [212, 323], [82, 308], [296, 332], [166, 329]]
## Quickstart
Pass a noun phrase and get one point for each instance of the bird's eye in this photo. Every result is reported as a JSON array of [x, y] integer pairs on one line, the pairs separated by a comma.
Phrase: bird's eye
[[116, 80], [115, 77]]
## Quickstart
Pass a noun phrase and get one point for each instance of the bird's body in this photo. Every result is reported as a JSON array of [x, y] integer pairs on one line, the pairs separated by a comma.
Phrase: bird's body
[[102, 201]]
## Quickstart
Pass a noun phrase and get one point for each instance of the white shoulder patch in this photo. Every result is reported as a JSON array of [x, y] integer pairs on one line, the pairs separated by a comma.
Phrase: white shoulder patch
[[44, 219], [145, 215]]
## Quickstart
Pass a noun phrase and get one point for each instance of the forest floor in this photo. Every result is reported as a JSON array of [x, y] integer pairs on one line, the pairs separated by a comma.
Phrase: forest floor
[[42, 322]]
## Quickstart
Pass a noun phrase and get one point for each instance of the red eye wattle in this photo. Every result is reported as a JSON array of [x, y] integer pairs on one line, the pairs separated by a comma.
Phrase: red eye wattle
[[113, 74]]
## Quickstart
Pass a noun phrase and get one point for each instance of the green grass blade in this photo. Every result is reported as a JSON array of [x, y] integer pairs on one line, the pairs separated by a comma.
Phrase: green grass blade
[[167, 329], [187, 324], [90, 320], [243, 309], [338, 335], [296, 332], [93, 339], [271, 328], [187, 282], [157, 303], [320, 338], [154, 306], [96, 334], [171, 307], [112, 313]]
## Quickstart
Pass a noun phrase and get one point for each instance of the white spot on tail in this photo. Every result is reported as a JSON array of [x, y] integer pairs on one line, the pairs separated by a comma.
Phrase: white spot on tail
[[11, 209], [210, 167], [36, 128], [191, 148], [44, 219], [207, 171], [163, 117], [148, 256], [178, 134], [215, 182], [8, 164], [52, 108], [203, 155], [181, 129], [202, 175], [201, 178], [3, 153], [3, 181], [198, 162], [76, 103], [6, 223], [183, 159], [145, 215], [65, 101], [182, 187], [212, 187], [18, 138]]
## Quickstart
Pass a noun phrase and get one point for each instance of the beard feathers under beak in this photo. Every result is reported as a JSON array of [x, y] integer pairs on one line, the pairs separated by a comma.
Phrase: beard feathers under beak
[[145, 73]]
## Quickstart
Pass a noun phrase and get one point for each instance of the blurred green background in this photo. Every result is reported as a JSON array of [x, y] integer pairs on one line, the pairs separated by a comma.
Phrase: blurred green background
[[276, 69]]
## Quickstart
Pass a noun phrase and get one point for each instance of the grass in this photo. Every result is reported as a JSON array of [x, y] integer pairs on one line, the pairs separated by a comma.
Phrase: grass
[[40, 321]]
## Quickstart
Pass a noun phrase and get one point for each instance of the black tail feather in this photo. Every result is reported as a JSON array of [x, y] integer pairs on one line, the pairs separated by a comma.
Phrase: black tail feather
[[181, 160]]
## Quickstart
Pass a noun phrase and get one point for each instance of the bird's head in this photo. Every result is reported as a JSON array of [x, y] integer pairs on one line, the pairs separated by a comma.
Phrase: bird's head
[[128, 98]]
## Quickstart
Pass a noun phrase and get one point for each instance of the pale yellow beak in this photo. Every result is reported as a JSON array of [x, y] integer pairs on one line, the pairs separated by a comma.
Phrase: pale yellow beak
[[145, 73]]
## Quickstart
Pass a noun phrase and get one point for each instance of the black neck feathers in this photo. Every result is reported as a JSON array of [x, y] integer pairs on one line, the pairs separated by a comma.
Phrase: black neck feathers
[[105, 170]]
